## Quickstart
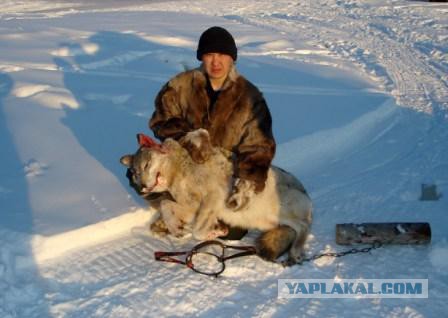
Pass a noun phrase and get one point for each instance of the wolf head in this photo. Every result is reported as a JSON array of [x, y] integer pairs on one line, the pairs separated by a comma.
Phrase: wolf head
[[146, 168]]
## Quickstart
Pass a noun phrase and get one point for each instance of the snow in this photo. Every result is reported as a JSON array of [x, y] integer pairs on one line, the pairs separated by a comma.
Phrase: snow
[[358, 91]]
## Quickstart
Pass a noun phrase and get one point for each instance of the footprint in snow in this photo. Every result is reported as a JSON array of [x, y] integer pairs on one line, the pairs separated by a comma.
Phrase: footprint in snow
[[33, 168]]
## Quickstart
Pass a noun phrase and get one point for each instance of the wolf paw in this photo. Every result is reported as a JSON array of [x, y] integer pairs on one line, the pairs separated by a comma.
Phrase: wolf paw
[[198, 145], [292, 261], [159, 228], [220, 230]]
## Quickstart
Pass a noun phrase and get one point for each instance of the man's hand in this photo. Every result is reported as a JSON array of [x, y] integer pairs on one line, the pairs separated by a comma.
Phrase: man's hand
[[240, 195]]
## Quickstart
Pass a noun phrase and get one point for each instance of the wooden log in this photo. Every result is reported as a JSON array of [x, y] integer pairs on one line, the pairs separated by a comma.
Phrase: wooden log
[[384, 233]]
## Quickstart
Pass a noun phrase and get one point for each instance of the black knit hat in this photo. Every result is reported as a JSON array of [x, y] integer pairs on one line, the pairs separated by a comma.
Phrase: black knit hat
[[216, 40]]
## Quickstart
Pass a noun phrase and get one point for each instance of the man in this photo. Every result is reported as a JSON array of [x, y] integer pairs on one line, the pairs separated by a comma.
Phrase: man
[[232, 109]]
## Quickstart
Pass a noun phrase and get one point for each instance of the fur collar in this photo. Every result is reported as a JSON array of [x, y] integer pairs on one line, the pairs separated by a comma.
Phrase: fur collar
[[230, 80]]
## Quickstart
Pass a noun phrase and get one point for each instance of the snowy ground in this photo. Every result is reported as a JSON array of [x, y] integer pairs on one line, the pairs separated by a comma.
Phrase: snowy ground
[[359, 95]]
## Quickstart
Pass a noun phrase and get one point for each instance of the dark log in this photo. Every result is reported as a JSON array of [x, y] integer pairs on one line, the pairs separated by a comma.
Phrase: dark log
[[385, 233]]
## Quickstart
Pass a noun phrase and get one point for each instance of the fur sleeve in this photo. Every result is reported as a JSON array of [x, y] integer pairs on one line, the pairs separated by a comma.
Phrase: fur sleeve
[[257, 147], [167, 120]]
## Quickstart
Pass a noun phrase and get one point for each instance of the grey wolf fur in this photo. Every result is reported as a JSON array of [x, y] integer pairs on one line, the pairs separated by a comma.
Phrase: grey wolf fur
[[282, 211]]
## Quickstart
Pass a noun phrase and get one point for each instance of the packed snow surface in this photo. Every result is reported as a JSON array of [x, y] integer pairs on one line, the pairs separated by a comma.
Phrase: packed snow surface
[[358, 92]]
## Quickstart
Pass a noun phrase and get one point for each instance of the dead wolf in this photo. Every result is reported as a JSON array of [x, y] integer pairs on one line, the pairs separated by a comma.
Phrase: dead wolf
[[282, 211]]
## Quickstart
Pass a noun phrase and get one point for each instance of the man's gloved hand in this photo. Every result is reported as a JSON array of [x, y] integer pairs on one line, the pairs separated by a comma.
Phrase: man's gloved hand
[[240, 195]]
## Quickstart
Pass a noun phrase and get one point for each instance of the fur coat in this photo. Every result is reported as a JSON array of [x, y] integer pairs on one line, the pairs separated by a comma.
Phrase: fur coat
[[240, 120]]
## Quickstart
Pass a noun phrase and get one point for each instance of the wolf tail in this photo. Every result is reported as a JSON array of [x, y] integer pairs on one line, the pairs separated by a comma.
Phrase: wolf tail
[[273, 243]]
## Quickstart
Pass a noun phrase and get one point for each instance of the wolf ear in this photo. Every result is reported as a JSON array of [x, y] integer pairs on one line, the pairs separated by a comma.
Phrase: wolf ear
[[148, 142], [127, 160]]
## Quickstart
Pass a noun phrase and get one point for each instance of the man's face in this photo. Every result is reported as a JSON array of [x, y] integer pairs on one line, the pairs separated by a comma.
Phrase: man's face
[[217, 65]]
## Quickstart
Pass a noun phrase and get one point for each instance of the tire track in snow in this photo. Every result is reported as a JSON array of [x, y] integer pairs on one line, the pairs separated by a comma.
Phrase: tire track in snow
[[374, 38]]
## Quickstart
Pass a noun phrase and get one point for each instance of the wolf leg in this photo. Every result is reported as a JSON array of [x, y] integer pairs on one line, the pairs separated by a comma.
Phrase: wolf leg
[[159, 227], [296, 251], [206, 225], [273, 243], [172, 215], [198, 145]]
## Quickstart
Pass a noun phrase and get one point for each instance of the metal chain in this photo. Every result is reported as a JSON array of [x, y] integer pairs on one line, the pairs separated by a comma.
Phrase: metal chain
[[375, 245]]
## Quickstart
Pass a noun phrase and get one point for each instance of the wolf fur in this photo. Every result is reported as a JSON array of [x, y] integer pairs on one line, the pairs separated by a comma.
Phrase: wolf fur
[[282, 211]]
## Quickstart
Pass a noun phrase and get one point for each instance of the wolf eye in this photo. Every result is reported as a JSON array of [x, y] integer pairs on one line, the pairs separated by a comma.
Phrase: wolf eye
[[147, 165], [135, 174], [135, 177]]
